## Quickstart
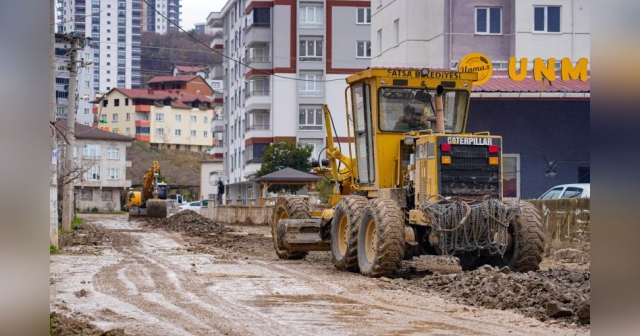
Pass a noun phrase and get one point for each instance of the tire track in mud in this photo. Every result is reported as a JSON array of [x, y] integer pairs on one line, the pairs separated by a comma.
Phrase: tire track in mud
[[151, 284]]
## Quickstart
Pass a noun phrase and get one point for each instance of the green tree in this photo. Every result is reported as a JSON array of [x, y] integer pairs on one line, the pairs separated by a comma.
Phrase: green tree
[[325, 188], [282, 154]]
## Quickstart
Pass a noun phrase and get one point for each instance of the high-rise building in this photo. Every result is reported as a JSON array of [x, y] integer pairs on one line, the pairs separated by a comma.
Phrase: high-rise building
[[284, 59], [162, 22], [84, 91], [114, 27]]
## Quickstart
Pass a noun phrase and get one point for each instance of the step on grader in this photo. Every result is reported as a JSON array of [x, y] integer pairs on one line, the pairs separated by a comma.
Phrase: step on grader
[[415, 183]]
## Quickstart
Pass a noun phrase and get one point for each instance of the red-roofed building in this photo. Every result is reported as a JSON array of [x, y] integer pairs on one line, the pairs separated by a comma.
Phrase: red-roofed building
[[186, 83], [100, 157], [170, 119], [181, 70]]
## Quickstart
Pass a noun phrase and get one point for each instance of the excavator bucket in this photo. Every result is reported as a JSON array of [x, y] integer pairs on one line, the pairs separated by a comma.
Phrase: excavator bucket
[[156, 208]]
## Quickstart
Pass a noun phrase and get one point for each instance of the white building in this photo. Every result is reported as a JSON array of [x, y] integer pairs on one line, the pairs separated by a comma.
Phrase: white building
[[100, 157], [114, 27], [84, 90], [152, 21], [438, 33], [285, 61]]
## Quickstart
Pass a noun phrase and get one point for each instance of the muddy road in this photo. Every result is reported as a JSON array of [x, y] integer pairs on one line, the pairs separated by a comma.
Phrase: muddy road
[[133, 278]]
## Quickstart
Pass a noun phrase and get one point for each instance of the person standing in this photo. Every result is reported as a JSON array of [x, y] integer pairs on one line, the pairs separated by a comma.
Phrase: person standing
[[220, 191]]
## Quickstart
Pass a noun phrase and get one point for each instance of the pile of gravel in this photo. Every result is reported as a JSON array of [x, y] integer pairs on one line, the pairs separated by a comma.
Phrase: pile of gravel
[[190, 223], [552, 294]]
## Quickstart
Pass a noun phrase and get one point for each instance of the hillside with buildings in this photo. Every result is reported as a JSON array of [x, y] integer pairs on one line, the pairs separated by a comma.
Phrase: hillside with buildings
[[162, 52]]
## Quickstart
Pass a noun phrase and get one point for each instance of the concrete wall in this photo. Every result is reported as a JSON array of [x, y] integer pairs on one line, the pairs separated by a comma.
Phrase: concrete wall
[[566, 223]]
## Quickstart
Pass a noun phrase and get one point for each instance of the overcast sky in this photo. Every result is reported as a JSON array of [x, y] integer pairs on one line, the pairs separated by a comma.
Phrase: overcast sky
[[196, 11]]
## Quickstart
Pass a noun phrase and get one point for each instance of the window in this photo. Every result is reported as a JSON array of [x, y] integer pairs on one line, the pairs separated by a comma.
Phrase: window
[[113, 174], [178, 132], [103, 117], [546, 19], [178, 117], [511, 176], [572, 192], [205, 119], [310, 118], [107, 195], [379, 35], [488, 20], [128, 116], [113, 153], [91, 151], [311, 15], [205, 134], [310, 84], [160, 131], [86, 194], [363, 49], [396, 31], [86, 111], [114, 118], [310, 49], [194, 119], [159, 116], [364, 16], [93, 174], [553, 193], [193, 133], [317, 144]]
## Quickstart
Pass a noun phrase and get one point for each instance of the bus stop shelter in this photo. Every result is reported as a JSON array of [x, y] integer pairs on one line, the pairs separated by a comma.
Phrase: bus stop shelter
[[285, 177]]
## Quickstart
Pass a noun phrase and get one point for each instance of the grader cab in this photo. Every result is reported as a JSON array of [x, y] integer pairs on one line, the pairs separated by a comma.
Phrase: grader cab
[[416, 183]]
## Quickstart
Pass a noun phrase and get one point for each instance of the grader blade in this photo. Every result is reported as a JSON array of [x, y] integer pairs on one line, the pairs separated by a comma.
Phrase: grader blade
[[301, 235]]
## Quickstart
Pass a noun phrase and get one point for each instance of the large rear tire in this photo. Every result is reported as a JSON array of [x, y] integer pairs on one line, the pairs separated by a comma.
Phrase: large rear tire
[[381, 239], [528, 241], [288, 207], [344, 232]]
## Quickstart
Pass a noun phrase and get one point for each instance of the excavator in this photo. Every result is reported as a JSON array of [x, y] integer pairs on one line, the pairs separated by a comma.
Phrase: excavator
[[151, 201], [414, 183]]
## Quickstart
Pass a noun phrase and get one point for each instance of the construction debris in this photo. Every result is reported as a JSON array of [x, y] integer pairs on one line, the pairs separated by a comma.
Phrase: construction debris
[[190, 223]]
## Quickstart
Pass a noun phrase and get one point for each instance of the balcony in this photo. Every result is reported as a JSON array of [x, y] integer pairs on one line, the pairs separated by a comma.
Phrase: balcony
[[217, 125], [143, 137], [218, 147], [214, 20], [257, 100], [143, 123], [217, 43], [217, 72], [257, 128], [143, 108], [257, 34]]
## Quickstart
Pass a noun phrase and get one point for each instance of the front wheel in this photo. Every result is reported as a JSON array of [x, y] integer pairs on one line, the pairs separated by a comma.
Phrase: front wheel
[[293, 207], [381, 239]]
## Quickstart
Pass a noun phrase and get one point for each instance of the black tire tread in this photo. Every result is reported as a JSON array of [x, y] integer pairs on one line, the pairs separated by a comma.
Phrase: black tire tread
[[352, 206], [390, 243], [529, 240], [297, 208]]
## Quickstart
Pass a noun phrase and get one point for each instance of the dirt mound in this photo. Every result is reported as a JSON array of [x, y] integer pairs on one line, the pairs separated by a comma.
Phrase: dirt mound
[[190, 223], [83, 239], [64, 325], [551, 294]]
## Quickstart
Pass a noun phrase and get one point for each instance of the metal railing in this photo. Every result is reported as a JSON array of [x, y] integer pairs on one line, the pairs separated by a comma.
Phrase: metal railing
[[257, 127], [257, 93]]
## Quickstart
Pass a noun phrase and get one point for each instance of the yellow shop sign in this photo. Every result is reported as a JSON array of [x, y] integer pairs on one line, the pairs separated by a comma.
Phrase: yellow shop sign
[[481, 64]]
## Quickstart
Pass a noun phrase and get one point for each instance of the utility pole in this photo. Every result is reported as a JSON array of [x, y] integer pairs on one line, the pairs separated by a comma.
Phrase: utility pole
[[67, 195], [53, 186]]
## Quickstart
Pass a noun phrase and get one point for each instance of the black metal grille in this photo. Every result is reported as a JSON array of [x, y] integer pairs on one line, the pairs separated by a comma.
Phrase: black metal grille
[[469, 174]]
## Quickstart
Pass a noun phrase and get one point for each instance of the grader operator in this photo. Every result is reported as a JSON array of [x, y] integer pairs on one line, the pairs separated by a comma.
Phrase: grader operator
[[416, 184], [151, 201]]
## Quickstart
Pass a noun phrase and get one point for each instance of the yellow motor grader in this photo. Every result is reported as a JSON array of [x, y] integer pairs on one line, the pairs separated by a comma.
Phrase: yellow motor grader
[[412, 183]]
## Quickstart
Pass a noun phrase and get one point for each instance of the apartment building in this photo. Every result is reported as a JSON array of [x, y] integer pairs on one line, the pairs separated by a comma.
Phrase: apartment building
[[436, 33], [100, 158], [161, 23], [533, 117], [285, 59], [114, 27], [169, 119], [84, 91]]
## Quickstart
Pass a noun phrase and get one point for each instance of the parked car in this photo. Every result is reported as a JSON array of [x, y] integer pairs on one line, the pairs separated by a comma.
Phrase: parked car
[[575, 190], [195, 206]]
